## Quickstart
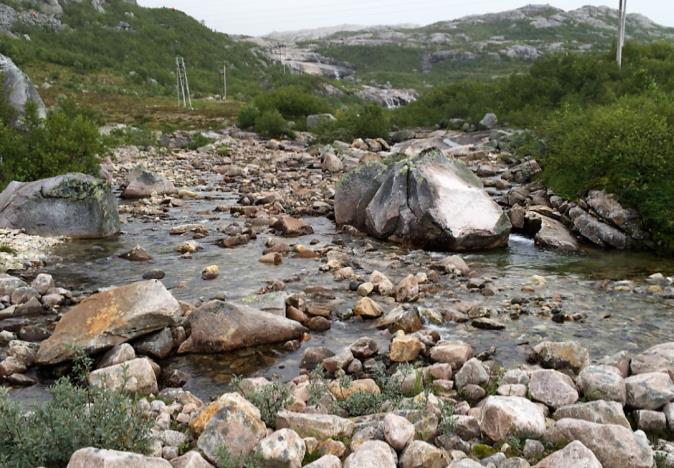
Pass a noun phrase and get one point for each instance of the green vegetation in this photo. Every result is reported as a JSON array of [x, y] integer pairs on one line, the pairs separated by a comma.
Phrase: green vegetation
[[269, 399], [226, 460], [364, 121], [600, 127], [76, 417], [4, 248], [66, 141], [447, 424]]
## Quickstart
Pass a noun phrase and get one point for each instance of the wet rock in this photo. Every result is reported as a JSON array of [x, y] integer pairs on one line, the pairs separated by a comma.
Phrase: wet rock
[[339, 361], [320, 426], [372, 454], [283, 448], [117, 355], [142, 183], [210, 272], [139, 374], [382, 284], [471, 373], [401, 318], [188, 247], [137, 254], [318, 324], [71, 205], [364, 348], [43, 283], [610, 210], [417, 200], [573, 455], [614, 446], [89, 457], [367, 308], [405, 348], [191, 459], [652, 390], [236, 425], [602, 383], [485, 323], [552, 388], [292, 227], [599, 411], [313, 356], [501, 417], [452, 264], [455, 353], [220, 326], [398, 431], [554, 235], [157, 345], [561, 355], [109, 318], [598, 233], [407, 289]]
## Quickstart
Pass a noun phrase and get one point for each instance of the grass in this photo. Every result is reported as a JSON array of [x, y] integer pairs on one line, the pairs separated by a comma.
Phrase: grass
[[4, 248]]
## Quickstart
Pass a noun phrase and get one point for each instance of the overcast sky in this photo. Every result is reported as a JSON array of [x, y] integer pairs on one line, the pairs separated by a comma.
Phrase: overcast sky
[[259, 17]]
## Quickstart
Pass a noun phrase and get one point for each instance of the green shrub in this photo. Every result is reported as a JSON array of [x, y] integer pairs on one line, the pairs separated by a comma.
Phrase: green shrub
[[64, 142], [142, 137], [75, 418], [447, 424], [271, 124], [226, 460], [366, 121], [626, 148], [293, 102], [247, 116], [198, 140], [4, 248], [269, 399]]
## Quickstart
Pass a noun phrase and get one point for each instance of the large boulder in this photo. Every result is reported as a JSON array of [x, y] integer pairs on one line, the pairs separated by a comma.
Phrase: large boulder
[[614, 446], [71, 205], [372, 454], [428, 200], [659, 358], [501, 417], [320, 426], [575, 454], [598, 411], [109, 318], [552, 388], [650, 391], [18, 90], [136, 376], [88, 457], [222, 326]]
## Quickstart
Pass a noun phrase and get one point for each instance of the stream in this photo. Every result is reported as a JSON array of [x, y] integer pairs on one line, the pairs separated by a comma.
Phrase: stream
[[612, 321]]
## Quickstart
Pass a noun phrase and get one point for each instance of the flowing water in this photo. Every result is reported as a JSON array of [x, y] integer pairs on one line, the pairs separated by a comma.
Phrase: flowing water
[[613, 320]]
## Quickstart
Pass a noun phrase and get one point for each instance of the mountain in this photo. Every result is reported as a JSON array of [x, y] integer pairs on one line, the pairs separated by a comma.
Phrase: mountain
[[479, 45]]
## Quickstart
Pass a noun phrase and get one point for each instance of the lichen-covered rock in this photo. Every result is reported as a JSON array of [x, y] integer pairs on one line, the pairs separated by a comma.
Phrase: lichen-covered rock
[[235, 425], [282, 449], [320, 426], [109, 318], [501, 417], [222, 326], [614, 446], [90, 457], [427, 199], [72, 205]]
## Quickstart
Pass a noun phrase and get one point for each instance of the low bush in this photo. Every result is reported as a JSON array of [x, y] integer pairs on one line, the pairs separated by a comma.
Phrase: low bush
[[271, 124], [66, 141], [76, 417], [626, 148], [365, 121], [269, 399]]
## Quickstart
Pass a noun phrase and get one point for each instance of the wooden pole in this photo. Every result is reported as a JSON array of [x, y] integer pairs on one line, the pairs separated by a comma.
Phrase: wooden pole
[[621, 32]]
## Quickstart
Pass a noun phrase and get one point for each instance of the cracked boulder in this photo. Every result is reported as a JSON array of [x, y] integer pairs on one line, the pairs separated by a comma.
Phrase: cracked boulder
[[427, 200]]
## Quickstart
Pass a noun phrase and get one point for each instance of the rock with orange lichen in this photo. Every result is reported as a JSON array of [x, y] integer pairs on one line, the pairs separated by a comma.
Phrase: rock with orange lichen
[[109, 318]]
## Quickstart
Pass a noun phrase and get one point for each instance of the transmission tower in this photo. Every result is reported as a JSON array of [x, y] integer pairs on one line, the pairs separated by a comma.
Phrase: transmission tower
[[182, 85]]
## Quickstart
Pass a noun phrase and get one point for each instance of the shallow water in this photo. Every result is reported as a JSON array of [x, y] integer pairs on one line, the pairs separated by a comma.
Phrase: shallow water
[[614, 321]]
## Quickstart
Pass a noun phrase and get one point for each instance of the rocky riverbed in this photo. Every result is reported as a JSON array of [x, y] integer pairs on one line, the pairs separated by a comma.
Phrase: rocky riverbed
[[532, 346]]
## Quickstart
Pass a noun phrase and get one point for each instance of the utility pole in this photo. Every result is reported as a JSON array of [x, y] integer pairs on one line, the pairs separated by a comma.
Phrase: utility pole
[[224, 76], [182, 84], [622, 18]]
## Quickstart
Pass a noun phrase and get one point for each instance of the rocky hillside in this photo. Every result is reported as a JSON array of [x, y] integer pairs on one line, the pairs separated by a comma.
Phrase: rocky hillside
[[116, 47], [475, 45]]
